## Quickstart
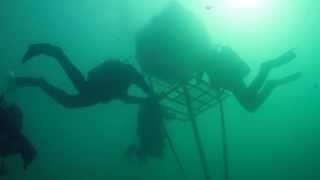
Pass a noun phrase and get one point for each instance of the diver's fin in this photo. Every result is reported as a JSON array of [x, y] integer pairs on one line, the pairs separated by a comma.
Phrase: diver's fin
[[33, 50], [40, 49], [286, 57], [281, 60], [27, 151], [285, 80], [28, 81]]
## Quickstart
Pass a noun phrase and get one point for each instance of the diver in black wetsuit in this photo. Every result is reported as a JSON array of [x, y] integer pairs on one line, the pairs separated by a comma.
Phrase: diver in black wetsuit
[[12, 141], [108, 81], [227, 70], [151, 136]]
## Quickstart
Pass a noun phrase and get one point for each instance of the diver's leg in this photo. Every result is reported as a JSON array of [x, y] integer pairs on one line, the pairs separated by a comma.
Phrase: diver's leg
[[25, 149], [246, 98], [272, 84], [66, 100], [281, 60], [260, 79], [267, 66], [73, 73], [142, 84], [252, 100]]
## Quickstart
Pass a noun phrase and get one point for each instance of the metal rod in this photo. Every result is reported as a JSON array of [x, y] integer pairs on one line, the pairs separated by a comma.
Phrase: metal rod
[[172, 147], [203, 159], [224, 141], [175, 101], [207, 92], [170, 90], [175, 154], [175, 110], [213, 103]]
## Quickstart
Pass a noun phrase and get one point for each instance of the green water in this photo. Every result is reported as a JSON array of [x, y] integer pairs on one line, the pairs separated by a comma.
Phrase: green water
[[279, 141]]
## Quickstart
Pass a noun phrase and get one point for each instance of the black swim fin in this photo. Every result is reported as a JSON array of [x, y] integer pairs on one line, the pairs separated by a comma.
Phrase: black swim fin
[[41, 49], [285, 80], [27, 151], [286, 58], [281, 60]]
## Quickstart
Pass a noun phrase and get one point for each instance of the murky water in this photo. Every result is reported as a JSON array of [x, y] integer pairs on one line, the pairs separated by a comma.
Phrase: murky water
[[279, 141]]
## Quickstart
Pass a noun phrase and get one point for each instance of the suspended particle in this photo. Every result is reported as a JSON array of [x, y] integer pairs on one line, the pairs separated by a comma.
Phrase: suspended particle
[[208, 7]]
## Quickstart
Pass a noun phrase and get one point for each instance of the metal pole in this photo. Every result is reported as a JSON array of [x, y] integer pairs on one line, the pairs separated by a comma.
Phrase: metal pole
[[195, 128], [171, 145], [175, 154], [224, 141]]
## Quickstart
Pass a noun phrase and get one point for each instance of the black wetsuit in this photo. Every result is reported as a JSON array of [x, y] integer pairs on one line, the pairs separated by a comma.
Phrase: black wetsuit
[[108, 81], [226, 70], [12, 141], [151, 137]]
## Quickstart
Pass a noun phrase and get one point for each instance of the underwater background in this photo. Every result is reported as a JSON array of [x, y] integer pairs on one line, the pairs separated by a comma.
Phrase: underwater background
[[279, 141]]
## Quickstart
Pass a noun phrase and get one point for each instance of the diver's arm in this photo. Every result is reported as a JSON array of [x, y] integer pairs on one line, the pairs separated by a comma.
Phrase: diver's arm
[[141, 83]]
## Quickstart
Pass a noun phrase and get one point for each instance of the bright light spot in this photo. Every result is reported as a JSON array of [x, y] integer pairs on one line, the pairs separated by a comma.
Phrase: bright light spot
[[244, 10], [244, 5]]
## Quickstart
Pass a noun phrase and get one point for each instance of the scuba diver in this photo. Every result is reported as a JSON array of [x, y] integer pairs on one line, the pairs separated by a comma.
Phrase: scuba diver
[[151, 135], [110, 80], [227, 71], [12, 141], [178, 53]]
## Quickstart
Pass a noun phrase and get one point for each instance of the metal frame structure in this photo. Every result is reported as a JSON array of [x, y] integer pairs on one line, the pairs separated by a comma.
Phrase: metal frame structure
[[186, 100]]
